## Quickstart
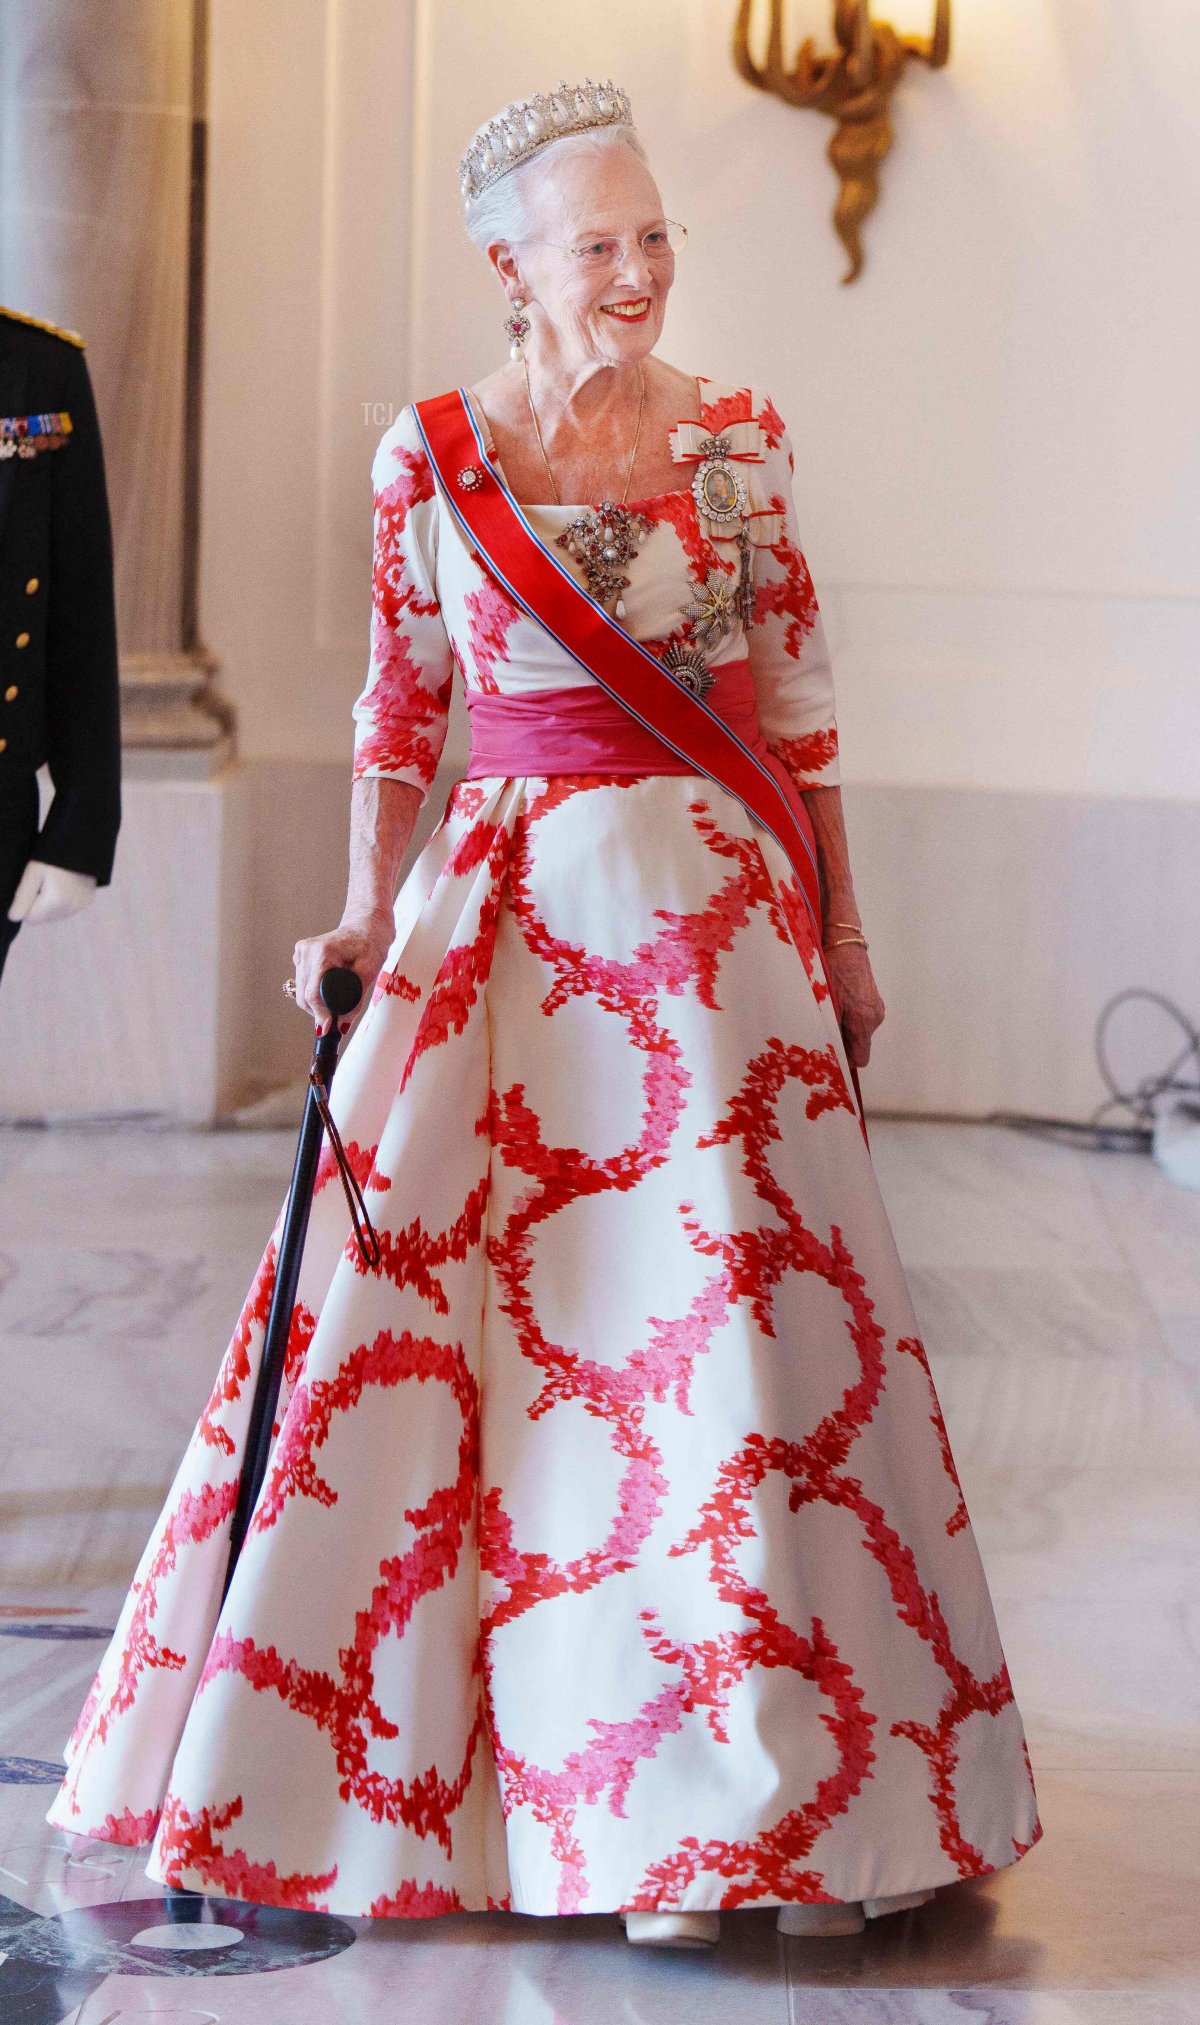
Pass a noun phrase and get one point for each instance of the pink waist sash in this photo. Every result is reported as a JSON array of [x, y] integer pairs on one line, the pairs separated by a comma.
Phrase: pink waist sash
[[582, 730]]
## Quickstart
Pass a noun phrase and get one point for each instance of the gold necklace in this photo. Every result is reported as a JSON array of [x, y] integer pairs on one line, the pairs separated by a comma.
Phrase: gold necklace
[[541, 446]]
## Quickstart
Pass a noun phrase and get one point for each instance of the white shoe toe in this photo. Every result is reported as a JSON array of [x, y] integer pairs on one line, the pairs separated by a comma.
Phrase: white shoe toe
[[898, 1902], [673, 1929]]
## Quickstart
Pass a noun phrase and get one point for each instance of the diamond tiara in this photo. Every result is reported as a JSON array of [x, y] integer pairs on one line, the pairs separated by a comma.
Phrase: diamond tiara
[[530, 124]]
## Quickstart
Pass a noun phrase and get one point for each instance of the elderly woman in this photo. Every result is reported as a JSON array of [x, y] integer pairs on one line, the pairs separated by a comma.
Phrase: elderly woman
[[611, 1556]]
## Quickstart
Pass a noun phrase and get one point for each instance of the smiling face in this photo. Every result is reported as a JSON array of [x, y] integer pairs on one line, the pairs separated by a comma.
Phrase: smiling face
[[576, 198]]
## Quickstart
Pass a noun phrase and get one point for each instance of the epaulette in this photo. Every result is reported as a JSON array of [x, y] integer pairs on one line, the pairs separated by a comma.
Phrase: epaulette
[[39, 323]]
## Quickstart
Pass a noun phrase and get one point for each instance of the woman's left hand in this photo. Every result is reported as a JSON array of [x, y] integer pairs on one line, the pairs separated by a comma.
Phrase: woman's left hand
[[857, 1002]]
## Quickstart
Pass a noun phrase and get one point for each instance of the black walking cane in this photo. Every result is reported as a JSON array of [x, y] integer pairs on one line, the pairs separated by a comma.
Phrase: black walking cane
[[340, 991]]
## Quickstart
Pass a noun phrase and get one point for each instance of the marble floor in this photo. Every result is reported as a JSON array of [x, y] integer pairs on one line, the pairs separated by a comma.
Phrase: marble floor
[[1059, 1296]]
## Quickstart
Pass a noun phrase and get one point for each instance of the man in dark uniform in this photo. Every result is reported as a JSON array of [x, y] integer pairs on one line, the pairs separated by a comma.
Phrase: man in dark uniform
[[58, 630]]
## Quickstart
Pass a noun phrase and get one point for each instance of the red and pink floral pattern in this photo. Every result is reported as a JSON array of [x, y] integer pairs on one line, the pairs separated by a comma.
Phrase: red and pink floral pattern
[[611, 1551]]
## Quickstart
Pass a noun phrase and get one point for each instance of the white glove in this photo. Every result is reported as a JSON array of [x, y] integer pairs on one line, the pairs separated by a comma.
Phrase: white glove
[[49, 893]]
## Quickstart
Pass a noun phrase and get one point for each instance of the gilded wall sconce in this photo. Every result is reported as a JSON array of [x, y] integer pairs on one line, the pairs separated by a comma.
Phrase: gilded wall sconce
[[854, 86]]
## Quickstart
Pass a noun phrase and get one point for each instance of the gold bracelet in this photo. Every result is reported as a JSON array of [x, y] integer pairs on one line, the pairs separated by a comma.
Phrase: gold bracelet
[[845, 938], [847, 924]]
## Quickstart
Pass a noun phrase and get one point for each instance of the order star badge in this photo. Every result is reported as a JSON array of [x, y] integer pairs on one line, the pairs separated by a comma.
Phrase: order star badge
[[689, 668], [714, 608]]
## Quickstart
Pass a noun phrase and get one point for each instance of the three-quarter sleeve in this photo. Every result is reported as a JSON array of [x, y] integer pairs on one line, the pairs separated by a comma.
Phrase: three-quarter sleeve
[[789, 655], [401, 715]]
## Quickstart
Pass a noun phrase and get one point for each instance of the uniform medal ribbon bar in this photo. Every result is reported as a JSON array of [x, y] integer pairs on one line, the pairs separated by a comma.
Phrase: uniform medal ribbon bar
[[26, 435]]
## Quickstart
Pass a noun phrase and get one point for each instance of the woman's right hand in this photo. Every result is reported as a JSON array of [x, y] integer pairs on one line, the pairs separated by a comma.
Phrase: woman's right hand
[[357, 943]]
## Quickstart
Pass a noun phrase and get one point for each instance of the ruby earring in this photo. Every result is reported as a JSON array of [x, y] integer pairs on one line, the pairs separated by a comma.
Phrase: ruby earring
[[518, 328]]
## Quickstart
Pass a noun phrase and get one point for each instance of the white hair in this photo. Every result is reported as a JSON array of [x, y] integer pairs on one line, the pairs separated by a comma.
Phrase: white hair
[[504, 210]]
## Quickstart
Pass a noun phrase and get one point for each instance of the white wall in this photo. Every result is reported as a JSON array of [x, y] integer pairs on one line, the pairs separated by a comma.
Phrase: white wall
[[307, 318]]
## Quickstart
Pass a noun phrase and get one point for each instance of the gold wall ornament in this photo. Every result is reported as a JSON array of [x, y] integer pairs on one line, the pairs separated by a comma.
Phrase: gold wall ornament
[[854, 86]]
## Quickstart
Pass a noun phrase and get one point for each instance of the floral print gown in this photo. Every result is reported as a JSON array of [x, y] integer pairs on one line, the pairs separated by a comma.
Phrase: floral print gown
[[611, 1553]]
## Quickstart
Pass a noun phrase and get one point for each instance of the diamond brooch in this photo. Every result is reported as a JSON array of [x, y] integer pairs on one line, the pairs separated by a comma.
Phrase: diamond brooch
[[470, 478], [603, 541], [719, 491]]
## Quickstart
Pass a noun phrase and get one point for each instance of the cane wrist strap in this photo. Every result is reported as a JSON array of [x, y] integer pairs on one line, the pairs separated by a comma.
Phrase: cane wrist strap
[[369, 1249]]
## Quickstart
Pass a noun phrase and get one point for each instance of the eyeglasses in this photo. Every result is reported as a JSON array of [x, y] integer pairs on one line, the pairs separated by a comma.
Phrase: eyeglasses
[[596, 256]]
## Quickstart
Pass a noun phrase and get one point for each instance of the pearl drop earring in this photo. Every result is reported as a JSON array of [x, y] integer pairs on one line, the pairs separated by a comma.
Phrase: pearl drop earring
[[518, 328]]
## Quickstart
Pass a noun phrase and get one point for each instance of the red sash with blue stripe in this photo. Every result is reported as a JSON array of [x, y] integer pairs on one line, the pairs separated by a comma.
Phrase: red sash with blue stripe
[[545, 587]]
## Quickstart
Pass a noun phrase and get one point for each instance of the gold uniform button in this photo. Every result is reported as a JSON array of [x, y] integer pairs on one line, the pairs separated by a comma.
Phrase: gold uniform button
[[3, 744], [11, 693], [32, 586], [22, 640]]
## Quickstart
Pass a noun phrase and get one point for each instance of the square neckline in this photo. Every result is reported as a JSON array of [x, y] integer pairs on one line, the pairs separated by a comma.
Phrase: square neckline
[[584, 505]]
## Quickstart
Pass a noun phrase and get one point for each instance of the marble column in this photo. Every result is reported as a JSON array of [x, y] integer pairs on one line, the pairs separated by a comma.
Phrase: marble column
[[102, 154]]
